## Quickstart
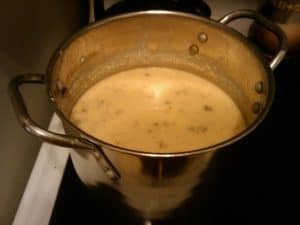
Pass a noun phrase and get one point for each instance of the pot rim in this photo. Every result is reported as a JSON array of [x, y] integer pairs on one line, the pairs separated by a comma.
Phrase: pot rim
[[220, 145]]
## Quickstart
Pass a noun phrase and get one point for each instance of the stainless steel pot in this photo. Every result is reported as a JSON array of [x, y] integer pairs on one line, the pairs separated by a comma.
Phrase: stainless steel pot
[[152, 183]]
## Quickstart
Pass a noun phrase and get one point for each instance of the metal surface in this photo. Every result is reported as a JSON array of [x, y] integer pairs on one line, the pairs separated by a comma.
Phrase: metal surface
[[273, 27], [29, 125], [155, 183], [118, 50], [202, 37], [54, 138]]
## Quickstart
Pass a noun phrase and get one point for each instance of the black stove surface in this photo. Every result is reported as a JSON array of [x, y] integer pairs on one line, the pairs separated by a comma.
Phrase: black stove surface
[[259, 185], [197, 7]]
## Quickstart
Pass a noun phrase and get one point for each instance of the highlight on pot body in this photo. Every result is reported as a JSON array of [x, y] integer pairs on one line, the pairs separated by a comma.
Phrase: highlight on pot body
[[156, 109]]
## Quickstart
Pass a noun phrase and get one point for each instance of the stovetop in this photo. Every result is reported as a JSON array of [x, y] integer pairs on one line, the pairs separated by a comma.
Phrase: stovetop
[[257, 186]]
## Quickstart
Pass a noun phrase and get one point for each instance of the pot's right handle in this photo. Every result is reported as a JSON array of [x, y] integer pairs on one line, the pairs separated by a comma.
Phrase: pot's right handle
[[244, 13], [54, 138]]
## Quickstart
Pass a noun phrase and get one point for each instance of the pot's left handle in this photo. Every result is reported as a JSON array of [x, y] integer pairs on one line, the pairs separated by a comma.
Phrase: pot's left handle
[[269, 25], [54, 138]]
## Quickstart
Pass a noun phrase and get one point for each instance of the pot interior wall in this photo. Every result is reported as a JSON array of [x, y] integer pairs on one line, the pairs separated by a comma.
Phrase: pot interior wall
[[166, 40]]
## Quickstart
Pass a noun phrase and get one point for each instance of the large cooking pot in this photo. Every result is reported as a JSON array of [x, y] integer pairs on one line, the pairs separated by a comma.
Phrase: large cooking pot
[[152, 183]]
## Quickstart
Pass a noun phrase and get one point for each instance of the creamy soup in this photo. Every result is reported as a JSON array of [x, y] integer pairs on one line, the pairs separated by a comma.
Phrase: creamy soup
[[156, 109]]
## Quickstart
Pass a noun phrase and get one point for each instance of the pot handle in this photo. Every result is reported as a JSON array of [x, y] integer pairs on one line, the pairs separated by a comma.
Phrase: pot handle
[[245, 13], [54, 138]]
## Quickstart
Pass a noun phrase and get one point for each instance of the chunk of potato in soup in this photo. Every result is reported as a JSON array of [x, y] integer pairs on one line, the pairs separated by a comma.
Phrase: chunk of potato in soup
[[157, 109]]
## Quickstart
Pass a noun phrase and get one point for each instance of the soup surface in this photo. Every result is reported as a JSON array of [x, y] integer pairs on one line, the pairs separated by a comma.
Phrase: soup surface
[[156, 109]]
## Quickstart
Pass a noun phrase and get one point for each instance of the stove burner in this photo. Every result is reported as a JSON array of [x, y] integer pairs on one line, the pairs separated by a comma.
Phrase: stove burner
[[197, 7]]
